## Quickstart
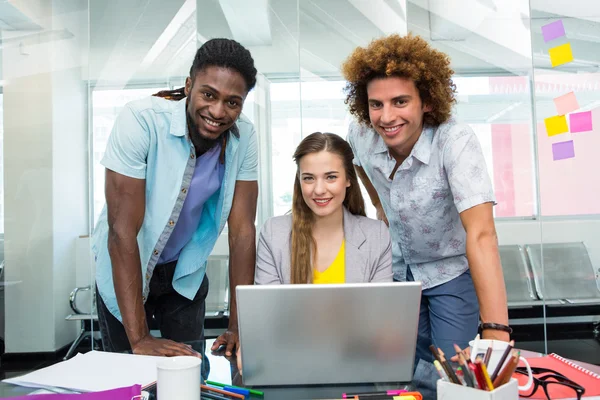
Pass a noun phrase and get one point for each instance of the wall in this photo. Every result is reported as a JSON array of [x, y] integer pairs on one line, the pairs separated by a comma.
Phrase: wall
[[45, 172]]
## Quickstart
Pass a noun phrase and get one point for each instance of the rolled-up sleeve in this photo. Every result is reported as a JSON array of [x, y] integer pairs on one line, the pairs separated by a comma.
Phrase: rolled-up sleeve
[[467, 172], [351, 139], [127, 149], [249, 168]]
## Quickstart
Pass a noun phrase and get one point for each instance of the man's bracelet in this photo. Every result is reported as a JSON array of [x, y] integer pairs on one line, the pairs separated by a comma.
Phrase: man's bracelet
[[496, 327]]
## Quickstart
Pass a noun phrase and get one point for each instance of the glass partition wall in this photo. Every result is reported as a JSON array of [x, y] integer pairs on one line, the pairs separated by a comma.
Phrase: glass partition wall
[[68, 68]]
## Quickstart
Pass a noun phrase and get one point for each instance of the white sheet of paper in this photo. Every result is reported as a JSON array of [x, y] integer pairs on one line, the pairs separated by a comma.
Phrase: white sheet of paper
[[93, 371]]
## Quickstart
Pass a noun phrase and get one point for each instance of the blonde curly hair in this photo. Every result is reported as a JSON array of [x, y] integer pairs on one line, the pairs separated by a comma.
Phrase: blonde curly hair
[[407, 57]]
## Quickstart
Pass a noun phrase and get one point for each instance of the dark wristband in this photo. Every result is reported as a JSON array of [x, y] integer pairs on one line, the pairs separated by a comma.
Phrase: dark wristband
[[496, 327]]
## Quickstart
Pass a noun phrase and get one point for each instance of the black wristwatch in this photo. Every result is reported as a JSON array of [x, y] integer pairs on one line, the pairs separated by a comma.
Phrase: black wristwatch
[[496, 327]]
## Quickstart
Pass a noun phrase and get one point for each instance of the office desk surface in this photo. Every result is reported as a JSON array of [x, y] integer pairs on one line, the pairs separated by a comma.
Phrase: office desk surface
[[223, 371]]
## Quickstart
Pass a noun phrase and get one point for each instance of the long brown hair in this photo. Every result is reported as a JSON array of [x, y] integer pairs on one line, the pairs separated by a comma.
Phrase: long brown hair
[[304, 248]]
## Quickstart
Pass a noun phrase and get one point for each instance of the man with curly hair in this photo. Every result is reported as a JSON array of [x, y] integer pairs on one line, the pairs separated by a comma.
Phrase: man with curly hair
[[426, 175]]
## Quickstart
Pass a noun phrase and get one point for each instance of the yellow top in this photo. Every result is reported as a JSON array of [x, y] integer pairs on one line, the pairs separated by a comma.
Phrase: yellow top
[[336, 273]]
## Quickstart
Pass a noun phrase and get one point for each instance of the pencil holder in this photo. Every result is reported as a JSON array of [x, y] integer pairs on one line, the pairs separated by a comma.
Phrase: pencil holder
[[452, 391]]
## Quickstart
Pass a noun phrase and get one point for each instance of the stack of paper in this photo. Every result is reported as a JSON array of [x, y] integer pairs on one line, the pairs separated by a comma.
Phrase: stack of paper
[[94, 371]]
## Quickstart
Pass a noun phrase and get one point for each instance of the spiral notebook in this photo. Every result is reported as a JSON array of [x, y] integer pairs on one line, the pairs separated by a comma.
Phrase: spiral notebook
[[582, 376]]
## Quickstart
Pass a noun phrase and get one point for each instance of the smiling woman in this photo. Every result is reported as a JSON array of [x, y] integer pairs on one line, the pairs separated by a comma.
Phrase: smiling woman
[[327, 238]]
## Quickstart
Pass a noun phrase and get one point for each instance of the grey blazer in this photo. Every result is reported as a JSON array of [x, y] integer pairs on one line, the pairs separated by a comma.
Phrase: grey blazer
[[368, 250]]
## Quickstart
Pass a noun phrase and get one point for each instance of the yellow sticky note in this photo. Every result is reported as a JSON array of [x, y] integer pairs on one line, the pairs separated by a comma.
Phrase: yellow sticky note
[[556, 125], [560, 55]]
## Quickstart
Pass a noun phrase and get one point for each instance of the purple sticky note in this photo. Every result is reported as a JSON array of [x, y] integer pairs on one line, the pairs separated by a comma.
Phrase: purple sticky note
[[581, 122], [562, 150], [553, 30]]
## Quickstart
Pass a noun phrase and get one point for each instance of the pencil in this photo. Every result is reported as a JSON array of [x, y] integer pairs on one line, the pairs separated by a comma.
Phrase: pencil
[[479, 376], [488, 354], [508, 370], [226, 393], [460, 375], [486, 377], [440, 371], [449, 370], [510, 346], [436, 354], [465, 366]]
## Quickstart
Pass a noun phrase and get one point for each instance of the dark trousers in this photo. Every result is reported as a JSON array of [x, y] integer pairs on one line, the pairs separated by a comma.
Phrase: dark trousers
[[178, 318]]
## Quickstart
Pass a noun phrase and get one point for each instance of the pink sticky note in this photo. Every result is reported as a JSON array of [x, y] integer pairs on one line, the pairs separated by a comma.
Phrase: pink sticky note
[[566, 103], [581, 122], [563, 150]]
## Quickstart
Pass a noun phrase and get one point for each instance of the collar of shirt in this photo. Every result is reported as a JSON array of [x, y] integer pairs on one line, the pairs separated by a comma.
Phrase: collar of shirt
[[179, 122], [421, 150]]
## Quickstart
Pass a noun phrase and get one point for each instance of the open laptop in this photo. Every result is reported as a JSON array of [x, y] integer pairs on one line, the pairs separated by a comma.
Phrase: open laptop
[[328, 334]]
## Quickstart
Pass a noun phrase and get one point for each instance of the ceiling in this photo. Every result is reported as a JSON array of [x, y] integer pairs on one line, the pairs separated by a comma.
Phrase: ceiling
[[141, 42]]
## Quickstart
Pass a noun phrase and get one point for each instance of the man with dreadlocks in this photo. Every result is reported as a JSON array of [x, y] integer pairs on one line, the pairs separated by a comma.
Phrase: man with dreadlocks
[[179, 165]]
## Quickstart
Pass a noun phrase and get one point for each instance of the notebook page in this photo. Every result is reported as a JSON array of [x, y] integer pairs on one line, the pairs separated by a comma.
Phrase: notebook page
[[94, 371]]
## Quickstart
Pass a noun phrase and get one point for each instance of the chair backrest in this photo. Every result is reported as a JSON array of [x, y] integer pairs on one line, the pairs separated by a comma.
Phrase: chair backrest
[[566, 271], [73, 299], [517, 274], [217, 270]]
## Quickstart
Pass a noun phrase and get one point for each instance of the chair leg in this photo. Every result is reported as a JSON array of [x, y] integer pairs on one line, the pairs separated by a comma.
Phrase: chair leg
[[76, 342]]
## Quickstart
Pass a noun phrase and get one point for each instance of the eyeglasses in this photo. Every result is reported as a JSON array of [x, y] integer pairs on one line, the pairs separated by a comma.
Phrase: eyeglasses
[[555, 384]]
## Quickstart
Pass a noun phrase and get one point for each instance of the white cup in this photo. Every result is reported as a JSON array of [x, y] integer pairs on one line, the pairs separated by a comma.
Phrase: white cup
[[178, 378], [498, 348]]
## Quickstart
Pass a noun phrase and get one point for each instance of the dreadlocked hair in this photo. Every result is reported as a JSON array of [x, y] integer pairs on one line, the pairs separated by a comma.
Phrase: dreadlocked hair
[[175, 94], [224, 53]]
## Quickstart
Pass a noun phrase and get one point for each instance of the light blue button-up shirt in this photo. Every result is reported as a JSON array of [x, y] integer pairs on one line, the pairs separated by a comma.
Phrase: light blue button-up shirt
[[444, 175], [149, 141]]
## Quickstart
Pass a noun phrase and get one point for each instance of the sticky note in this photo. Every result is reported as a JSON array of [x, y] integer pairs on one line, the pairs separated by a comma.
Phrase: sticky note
[[556, 125], [560, 55], [563, 150], [553, 30], [566, 103], [581, 122]]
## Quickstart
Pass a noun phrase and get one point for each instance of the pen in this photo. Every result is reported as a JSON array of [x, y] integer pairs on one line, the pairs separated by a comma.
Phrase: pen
[[252, 391], [502, 360], [210, 396], [222, 392], [475, 348], [403, 396], [373, 394]]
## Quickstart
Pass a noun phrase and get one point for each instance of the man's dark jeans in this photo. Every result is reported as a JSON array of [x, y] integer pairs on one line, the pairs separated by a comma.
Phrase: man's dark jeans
[[178, 318]]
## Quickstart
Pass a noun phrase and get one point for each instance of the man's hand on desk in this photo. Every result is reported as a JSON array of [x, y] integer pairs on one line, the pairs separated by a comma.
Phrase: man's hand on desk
[[229, 339], [151, 346]]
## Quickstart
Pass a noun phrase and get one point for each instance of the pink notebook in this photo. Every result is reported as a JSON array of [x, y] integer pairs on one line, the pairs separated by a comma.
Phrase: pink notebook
[[582, 376]]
